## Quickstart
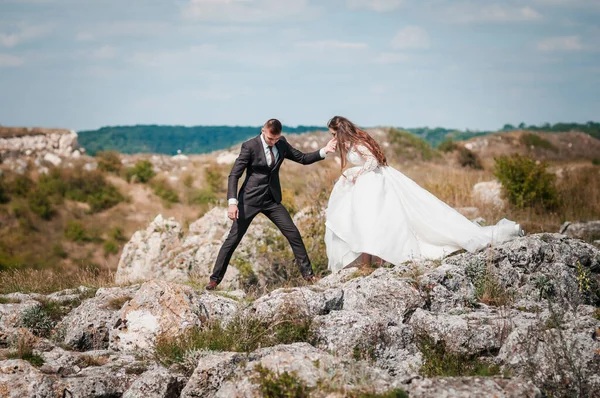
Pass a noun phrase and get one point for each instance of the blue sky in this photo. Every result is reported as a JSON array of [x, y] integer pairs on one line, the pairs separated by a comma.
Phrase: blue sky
[[477, 64]]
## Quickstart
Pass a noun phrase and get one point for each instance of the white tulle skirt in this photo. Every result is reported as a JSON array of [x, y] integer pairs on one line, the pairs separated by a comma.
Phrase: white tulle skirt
[[388, 215]]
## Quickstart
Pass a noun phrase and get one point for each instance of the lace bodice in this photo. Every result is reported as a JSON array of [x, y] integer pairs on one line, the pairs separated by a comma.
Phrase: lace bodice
[[360, 155]]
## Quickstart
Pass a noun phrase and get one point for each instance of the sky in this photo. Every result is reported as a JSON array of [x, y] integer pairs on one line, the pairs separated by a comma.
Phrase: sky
[[477, 64]]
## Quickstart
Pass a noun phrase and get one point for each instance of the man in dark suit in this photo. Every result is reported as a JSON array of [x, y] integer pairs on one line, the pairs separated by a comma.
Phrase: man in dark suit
[[261, 157]]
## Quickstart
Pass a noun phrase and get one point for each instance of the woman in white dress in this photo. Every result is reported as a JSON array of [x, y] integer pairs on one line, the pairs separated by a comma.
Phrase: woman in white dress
[[375, 210]]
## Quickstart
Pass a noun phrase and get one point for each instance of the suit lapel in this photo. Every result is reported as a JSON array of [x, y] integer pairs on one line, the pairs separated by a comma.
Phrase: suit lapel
[[261, 150], [280, 155]]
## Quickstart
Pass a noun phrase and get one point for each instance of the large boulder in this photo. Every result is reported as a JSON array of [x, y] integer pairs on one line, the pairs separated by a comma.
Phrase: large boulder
[[161, 308], [87, 327], [144, 257], [19, 379]]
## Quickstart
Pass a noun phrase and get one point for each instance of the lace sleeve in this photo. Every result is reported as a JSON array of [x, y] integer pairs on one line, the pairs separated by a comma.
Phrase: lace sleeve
[[370, 160]]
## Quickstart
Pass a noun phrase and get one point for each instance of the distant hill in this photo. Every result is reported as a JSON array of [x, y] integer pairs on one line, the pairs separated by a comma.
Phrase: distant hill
[[170, 139], [205, 139]]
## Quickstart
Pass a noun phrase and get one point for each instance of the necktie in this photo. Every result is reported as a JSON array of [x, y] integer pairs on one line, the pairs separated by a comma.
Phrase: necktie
[[272, 160]]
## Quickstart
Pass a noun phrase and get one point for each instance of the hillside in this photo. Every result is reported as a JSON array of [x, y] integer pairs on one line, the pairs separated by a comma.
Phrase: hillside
[[95, 204], [204, 139]]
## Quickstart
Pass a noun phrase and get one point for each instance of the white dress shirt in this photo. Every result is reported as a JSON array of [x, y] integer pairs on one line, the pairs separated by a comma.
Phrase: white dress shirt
[[234, 201]]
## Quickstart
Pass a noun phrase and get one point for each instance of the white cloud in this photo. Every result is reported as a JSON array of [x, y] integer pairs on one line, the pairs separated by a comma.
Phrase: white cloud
[[474, 12], [411, 37], [21, 33], [565, 43], [332, 45], [375, 5], [104, 52], [245, 10], [10, 61], [392, 58]]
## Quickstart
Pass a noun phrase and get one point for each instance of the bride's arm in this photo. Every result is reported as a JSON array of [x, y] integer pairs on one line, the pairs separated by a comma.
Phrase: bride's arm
[[370, 161]]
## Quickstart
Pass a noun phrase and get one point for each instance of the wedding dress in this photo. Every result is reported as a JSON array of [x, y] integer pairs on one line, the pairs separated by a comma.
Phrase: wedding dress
[[388, 215]]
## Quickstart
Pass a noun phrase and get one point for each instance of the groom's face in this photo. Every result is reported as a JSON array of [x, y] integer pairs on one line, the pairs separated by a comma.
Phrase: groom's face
[[270, 138]]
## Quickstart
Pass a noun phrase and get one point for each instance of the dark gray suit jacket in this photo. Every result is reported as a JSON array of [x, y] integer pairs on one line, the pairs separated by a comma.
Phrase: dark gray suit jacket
[[260, 178]]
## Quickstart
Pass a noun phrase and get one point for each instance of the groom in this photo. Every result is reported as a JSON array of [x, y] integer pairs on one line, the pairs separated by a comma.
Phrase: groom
[[261, 157]]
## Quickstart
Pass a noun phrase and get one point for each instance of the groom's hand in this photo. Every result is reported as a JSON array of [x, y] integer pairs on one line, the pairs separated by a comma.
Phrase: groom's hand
[[233, 212], [331, 146]]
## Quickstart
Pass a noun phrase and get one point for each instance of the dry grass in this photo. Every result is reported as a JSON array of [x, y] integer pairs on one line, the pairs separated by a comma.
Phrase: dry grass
[[49, 280]]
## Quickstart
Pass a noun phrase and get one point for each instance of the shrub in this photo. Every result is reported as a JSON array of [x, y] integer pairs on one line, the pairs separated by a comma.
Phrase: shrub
[[273, 385], [596, 161], [109, 161], [163, 190], [59, 251], [448, 145], [21, 185], [40, 204], [438, 361], [81, 185], [143, 171], [467, 158], [117, 234], [37, 320], [110, 247], [526, 183], [214, 178], [76, 232], [4, 198], [410, 146], [533, 140], [202, 196]]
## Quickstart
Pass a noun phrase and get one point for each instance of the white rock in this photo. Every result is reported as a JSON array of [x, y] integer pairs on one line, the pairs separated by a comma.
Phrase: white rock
[[52, 158], [489, 192]]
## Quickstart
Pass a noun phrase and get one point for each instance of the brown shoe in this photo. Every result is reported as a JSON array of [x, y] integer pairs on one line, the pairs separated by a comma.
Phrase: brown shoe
[[212, 285]]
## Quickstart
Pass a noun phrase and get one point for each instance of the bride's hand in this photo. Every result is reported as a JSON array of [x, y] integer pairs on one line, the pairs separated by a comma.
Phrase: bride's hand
[[331, 146]]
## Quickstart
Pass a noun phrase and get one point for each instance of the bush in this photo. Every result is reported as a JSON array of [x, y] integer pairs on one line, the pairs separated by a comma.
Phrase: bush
[[40, 204], [526, 183], [4, 198], [447, 145], [117, 234], [596, 161], [80, 185], [75, 232], [109, 161], [214, 178], [467, 158], [37, 320], [532, 140], [143, 171], [273, 385], [202, 196], [165, 191], [438, 361], [110, 247], [410, 146], [59, 251], [21, 185]]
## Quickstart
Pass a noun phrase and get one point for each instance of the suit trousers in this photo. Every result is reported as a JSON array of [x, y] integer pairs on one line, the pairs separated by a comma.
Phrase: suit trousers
[[279, 215]]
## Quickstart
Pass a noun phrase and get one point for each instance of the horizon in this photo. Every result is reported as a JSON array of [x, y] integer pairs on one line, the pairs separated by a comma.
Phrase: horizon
[[379, 62]]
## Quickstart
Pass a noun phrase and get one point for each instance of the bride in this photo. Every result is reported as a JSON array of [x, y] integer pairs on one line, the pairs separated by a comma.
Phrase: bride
[[375, 210]]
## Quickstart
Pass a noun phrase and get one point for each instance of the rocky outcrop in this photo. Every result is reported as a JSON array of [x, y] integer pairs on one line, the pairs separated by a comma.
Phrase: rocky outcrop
[[527, 308], [489, 193], [163, 251], [588, 231], [37, 142]]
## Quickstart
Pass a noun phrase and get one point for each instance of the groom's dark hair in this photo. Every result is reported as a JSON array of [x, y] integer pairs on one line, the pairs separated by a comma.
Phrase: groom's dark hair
[[274, 126]]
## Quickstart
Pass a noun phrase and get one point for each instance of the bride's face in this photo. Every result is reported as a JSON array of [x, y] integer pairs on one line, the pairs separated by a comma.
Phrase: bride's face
[[333, 133]]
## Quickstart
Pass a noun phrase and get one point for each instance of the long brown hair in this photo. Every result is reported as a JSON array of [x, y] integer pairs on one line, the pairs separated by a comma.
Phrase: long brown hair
[[348, 132]]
